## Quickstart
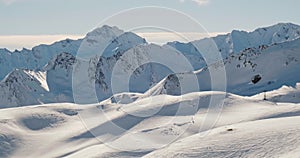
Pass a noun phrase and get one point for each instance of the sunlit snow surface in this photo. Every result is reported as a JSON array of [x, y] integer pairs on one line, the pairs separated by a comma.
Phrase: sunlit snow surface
[[246, 127]]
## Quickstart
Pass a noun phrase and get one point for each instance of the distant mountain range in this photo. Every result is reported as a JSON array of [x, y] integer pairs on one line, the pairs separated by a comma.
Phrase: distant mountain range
[[257, 61]]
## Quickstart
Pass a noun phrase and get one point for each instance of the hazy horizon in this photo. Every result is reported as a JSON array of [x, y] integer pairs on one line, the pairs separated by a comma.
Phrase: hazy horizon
[[27, 23]]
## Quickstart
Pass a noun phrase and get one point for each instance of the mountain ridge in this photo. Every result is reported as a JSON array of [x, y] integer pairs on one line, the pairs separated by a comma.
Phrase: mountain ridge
[[59, 70]]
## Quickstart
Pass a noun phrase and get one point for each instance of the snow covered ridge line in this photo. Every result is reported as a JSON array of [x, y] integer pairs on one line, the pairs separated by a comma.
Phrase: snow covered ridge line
[[237, 41], [245, 55], [234, 42]]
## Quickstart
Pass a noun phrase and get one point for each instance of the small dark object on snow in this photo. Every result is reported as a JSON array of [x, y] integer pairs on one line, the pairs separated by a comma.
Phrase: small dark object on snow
[[256, 79], [265, 95], [229, 129]]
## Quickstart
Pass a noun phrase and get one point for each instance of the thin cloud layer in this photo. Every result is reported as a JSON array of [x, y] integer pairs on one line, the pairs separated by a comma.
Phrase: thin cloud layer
[[199, 2], [13, 42], [164, 37]]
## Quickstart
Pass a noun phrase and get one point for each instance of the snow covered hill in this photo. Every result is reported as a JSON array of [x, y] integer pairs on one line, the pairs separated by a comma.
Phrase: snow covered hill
[[260, 126], [277, 137], [288, 94]]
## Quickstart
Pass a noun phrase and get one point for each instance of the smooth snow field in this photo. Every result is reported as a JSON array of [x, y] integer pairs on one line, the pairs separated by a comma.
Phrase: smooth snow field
[[153, 127]]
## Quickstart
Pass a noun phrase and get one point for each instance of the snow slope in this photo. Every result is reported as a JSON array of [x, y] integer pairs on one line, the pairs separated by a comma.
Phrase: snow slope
[[25, 131], [22, 87], [276, 137], [283, 94]]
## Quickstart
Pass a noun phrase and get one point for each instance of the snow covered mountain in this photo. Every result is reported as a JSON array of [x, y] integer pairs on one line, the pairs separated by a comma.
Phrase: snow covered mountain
[[59, 59], [58, 75], [250, 72], [22, 87], [237, 41], [135, 62], [245, 55], [36, 58], [143, 75], [39, 56]]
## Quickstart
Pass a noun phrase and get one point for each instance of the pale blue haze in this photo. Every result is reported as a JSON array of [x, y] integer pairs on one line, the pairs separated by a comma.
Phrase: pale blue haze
[[35, 17]]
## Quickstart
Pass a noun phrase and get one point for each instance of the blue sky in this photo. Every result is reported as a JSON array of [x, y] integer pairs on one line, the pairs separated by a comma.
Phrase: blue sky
[[77, 17]]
